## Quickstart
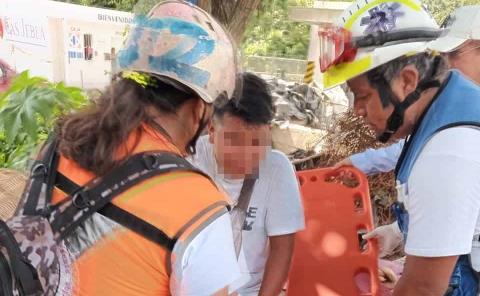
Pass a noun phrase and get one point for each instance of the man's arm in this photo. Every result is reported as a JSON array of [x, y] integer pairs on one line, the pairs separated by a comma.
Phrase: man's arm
[[374, 161], [284, 218], [278, 264], [222, 292], [424, 276]]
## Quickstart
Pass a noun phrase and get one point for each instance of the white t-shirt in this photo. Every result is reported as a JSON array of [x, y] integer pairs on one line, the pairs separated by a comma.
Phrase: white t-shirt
[[275, 208], [208, 263], [444, 196]]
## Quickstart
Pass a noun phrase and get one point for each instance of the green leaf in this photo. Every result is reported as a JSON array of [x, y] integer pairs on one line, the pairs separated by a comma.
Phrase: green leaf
[[29, 123], [12, 123], [28, 110]]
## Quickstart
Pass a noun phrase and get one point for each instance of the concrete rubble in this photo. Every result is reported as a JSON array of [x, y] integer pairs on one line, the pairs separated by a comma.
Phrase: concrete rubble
[[303, 114]]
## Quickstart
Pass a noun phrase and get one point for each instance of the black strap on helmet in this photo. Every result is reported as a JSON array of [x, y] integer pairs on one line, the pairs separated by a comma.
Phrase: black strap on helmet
[[395, 121], [395, 37]]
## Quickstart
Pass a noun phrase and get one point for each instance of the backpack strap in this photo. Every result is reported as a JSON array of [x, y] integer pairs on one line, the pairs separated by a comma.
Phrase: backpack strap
[[66, 185], [246, 193], [98, 193], [121, 216], [22, 271], [38, 193], [239, 212]]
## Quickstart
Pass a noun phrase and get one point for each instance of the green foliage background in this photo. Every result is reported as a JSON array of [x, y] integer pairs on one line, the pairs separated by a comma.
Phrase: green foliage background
[[440, 9], [270, 33], [28, 111]]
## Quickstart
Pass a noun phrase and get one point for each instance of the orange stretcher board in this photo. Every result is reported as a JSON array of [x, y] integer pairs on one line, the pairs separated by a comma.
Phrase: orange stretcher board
[[330, 258]]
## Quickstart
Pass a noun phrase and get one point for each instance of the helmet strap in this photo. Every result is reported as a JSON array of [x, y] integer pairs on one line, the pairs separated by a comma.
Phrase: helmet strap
[[396, 119], [191, 146]]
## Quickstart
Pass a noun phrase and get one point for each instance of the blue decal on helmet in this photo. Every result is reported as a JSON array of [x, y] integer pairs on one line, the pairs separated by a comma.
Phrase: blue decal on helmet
[[180, 59], [382, 18]]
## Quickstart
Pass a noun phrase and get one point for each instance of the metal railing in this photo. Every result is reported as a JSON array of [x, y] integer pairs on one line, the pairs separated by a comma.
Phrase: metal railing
[[284, 68]]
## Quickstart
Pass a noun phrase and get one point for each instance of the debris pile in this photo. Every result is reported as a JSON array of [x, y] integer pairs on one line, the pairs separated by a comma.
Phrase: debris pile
[[303, 114], [304, 104]]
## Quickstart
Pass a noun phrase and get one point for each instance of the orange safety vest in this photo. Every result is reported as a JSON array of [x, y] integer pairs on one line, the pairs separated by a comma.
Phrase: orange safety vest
[[112, 260]]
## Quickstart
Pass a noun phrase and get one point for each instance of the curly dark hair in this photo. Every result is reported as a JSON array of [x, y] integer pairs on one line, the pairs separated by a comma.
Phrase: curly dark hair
[[91, 137]]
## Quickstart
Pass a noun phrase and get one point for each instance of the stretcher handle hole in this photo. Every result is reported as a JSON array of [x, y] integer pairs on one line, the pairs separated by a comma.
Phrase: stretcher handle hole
[[358, 204], [362, 243], [364, 282], [344, 177]]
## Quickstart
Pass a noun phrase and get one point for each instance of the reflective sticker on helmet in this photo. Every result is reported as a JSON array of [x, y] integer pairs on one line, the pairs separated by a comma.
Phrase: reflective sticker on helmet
[[349, 23], [412, 53], [343, 72], [184, 44]]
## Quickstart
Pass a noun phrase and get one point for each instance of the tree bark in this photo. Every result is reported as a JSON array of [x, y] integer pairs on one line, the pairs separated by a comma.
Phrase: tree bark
[[233, 14], [205, 5]]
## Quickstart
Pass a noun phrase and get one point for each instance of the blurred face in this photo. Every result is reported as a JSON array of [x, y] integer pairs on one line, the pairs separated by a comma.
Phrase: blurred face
[[466, 59], [239, 147], [367, 104]]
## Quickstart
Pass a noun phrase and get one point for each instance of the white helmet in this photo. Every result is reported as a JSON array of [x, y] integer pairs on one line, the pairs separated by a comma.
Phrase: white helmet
[[461, 26], [180, 43], [371, 33]]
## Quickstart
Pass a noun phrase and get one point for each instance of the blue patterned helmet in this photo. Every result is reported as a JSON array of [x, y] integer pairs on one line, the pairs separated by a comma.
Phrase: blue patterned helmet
[[180, 43]]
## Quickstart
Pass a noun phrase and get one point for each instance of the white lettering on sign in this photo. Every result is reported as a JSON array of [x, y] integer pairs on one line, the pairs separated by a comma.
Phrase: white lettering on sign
[[24, 30], [115, 18]]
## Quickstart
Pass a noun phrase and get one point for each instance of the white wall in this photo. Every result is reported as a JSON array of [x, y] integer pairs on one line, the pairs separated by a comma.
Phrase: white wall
[[37, 36], [26, 40], [93, 73]]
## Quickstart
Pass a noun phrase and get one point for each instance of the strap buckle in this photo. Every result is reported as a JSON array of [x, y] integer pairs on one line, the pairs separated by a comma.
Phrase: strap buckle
[[151, 161], [81, 201], [39, 170]]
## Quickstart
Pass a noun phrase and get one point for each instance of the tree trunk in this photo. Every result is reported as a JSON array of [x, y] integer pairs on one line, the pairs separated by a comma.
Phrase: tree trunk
[[233, 14], [205, 5]]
